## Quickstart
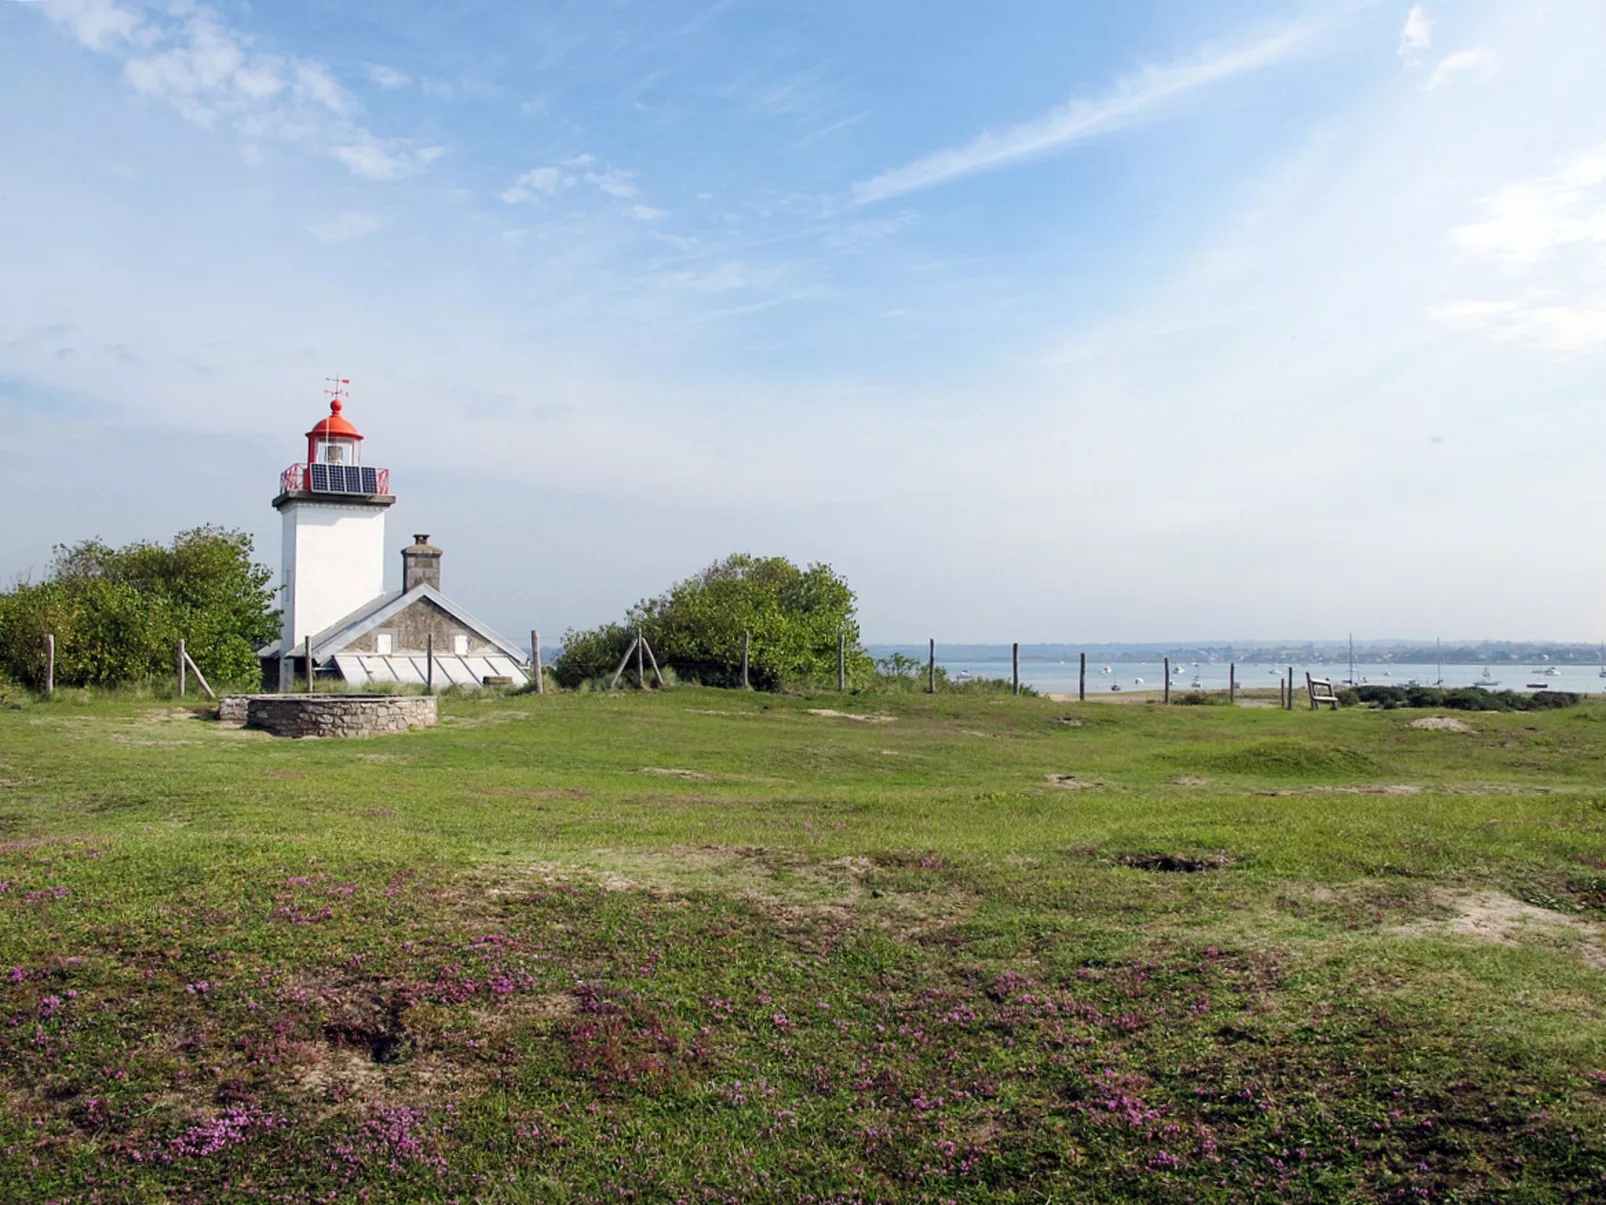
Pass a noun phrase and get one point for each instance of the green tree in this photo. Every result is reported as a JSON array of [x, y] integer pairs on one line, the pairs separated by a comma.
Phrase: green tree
[[794, 617], [119, 613]]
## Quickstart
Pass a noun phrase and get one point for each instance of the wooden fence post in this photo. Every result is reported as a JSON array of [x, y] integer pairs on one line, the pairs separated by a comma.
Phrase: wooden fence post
[[1014, 668], [653, 658], [535, 662], [1232, 682], [50, 666], [1290, 688], [1167, 697], [306, 648], [747, 642], [188, 660], [181, 660], [429, 663], [623, 661], [842, 662], [641, 670], [1081, 681], [931, 668]]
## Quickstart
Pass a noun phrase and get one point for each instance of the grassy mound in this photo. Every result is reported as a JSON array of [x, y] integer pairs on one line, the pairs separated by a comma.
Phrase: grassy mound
[[1281, 758]]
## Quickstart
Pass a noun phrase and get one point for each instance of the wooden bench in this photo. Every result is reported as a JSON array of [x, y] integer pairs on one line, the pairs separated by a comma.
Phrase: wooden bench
[[1320, 691]]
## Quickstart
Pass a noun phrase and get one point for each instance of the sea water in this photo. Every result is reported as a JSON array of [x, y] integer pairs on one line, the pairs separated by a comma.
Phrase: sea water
[[1052, 677]]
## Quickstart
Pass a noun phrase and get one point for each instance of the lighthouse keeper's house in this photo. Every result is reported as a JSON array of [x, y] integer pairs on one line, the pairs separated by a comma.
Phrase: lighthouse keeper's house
[[335, 604]]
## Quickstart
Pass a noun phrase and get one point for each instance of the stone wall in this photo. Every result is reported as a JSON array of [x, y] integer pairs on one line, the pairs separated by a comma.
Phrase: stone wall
[[338, 715], [231, 709]]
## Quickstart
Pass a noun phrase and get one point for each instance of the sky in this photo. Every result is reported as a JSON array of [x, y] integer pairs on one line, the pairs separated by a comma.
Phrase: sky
[[1043, 320]]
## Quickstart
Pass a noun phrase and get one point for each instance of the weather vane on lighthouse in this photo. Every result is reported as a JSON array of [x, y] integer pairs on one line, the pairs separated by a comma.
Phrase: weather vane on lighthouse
[[338, 394]]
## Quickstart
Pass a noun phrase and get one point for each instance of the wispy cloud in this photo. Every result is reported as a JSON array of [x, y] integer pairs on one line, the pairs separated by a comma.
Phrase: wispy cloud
[[1531, 220], [345, 227], [1080, 118], [1546, 237], [383, 160], [387, 78], [614, 182], [1417, 35], [543, 180], [186, 56], [1476, 64], [98, 24], [580, 169]]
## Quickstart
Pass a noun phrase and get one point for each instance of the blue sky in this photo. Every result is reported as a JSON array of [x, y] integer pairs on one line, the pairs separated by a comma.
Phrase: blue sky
[[1040, 321]]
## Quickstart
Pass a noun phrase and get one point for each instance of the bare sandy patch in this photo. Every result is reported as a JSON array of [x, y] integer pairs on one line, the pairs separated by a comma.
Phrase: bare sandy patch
[[1442, 723], [1390, 788], [848, 715], [666, 772], [1493, 916], [1190, 780], [1072, 782]]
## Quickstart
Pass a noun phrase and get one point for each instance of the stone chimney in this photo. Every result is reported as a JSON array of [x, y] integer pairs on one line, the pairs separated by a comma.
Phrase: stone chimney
[[421, 564]]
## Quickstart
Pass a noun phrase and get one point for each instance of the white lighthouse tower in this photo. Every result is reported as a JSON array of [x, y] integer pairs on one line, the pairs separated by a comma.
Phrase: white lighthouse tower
[[334, 531]]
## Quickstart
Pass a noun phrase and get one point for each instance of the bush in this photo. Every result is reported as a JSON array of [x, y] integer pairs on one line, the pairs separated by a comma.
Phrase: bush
[[1459, 698], [794, 618], [592, 654], [1545, 699], [118, 613]]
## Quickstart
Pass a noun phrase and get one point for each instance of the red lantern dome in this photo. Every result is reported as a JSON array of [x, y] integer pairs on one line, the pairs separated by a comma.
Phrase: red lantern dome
[[334, 432], [334, 459]]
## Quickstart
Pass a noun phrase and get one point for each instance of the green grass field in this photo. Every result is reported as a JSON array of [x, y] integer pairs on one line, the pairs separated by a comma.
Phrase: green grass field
[[708, 946]]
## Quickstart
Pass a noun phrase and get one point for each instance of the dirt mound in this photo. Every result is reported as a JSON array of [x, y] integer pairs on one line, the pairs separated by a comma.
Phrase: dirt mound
[[1072, 782]]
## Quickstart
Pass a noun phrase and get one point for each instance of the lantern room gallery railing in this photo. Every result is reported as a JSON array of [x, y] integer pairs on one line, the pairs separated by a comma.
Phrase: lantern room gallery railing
[[334, 479]]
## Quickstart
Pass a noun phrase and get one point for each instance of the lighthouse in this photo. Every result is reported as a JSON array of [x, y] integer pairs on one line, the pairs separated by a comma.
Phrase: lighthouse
[[333, 511], [332, 506]]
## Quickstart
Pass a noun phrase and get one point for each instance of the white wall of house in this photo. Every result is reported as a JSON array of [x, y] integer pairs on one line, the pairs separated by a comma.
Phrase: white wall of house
[[334, 562]]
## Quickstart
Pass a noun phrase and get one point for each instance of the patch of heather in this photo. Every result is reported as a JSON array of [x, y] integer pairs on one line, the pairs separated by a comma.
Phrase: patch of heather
[[283, 1032]]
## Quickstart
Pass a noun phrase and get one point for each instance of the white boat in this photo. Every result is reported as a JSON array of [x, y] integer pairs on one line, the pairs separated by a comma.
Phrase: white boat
[[1137, 681], [1105, 670], [1115, 686], [1196, 684], [1549, 671]]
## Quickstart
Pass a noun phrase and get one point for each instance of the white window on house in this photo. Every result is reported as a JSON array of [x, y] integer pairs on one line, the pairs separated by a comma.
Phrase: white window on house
[[460, 645], [384, 643]]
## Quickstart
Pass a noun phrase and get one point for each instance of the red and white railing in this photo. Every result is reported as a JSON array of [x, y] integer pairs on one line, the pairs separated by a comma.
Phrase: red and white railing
[[334, 479]]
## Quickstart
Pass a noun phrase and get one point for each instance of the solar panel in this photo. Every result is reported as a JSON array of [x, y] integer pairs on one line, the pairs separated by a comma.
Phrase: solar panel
[[320, 476], [370, 481], [343, 476]]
